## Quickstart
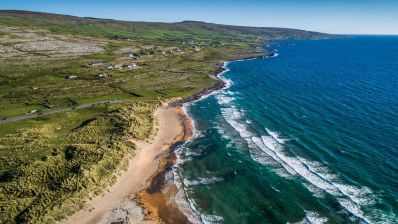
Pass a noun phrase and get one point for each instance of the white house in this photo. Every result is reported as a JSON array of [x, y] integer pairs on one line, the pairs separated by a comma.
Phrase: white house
[[130, 66], [103, 75]]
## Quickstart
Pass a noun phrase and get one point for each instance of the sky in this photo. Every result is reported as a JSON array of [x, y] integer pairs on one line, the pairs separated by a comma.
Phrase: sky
[[329, 16]]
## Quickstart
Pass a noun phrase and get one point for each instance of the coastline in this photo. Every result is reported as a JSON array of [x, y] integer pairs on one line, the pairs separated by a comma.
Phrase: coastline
[[150, 196], [159, 199], [117, 202]]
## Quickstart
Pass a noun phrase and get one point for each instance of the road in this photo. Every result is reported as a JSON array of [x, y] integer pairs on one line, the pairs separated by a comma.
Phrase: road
[[35, 115]]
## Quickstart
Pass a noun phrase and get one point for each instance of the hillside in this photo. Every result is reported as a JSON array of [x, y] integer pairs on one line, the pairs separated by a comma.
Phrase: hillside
[[167, 31]]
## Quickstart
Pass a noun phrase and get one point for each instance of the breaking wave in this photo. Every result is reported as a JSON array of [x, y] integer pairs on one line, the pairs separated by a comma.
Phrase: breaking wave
[[202, 181], [350, 197], [313, 218], [238, 129]]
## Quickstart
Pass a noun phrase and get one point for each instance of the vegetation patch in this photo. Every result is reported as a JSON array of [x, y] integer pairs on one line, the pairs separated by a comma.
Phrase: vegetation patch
[[58, 177]]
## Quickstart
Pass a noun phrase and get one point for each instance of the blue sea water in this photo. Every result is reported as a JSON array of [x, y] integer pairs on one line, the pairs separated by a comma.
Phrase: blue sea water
[[309, 136]]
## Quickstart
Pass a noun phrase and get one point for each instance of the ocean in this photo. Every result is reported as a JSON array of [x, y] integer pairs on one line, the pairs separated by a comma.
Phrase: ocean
[[307, 136]]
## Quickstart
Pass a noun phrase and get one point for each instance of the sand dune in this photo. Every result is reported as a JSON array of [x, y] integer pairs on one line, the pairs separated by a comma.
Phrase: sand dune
[[117, 204]]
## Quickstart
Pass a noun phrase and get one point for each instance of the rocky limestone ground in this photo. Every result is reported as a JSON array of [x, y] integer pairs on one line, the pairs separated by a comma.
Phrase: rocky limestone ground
[[16, 42]]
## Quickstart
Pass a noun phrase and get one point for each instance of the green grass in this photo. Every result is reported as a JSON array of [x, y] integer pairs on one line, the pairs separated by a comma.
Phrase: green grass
[[45, 85], [53, 128], [19, 109], [50, 165]]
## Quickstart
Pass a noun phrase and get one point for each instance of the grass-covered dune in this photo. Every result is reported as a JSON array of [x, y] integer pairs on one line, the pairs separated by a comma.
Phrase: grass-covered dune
[[51, 164], [76, 160]]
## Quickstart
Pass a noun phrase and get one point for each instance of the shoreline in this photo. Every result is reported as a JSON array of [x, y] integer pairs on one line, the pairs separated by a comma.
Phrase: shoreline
[[158, 200], [117, 203], [219, 83]]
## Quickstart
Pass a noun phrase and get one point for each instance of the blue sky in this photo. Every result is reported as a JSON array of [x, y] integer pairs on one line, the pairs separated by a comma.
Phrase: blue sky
[[331, 16]]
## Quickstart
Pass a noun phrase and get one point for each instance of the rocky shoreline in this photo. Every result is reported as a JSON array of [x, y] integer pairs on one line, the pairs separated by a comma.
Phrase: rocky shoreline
[[219, 83]]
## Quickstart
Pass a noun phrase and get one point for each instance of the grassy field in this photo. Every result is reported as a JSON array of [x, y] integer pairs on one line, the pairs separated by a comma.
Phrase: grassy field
[[44, 84], [50, 165]]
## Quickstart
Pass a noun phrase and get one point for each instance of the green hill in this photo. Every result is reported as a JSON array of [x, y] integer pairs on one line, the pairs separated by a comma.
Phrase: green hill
[[125, 29]]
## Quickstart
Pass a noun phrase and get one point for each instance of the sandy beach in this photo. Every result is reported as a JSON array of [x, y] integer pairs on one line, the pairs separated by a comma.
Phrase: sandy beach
[[117, 204], [159, 199]]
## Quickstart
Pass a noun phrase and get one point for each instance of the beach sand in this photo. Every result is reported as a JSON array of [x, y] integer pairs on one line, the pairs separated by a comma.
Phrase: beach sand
[[158, 200], [117, 204]]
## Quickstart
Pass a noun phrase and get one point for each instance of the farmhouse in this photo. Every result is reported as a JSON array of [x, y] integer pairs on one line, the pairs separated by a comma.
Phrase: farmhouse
[[102, 75], [129, 66], [132, 66]]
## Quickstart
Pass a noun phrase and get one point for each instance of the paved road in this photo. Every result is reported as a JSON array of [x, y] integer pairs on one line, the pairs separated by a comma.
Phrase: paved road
[[30, 116]]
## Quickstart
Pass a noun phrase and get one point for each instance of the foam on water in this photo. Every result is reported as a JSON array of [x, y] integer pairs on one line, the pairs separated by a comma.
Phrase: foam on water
[[351, 198], [202, 181], [230, 141], [314, 169], [236, 118], [187, 205], [183, 155], [232, 116], [211, 219], [275, 136], [345, 194], [273, 155], [225, 99], [314, 218], [317, 192]]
